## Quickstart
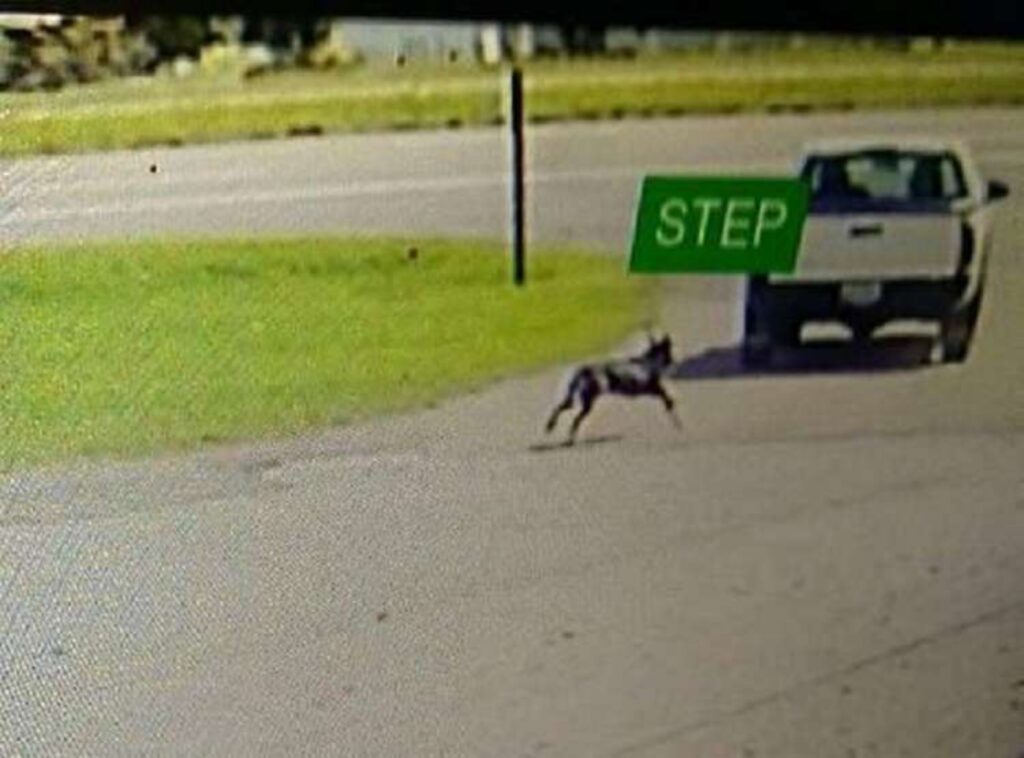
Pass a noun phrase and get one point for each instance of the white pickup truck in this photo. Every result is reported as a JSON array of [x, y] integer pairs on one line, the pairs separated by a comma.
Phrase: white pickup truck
[[896, 229]]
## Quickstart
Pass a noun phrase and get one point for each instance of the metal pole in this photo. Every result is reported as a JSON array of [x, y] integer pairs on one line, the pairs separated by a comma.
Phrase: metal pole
[[518, 215]]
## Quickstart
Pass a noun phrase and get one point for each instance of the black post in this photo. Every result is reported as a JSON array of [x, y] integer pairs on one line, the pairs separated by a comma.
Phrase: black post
[[518, 214]]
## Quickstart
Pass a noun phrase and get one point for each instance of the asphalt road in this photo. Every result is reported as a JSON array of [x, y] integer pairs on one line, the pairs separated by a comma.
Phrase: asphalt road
[[827, 561], [584, 177]]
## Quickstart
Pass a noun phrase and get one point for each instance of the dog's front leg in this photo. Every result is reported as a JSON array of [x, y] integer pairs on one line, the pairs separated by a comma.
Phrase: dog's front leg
[[670, 406]]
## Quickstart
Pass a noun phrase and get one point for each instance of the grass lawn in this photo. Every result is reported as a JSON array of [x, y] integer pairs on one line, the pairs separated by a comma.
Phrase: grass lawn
[[141, 112], [133, 347]]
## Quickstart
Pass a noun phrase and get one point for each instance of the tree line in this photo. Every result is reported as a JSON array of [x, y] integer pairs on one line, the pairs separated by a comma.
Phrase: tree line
[[50, 55]]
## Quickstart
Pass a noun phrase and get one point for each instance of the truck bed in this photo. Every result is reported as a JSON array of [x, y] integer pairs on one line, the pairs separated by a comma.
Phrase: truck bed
[[866, 246]]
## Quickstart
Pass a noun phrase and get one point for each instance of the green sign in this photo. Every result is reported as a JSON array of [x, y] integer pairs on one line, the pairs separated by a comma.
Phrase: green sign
[[718, 225]]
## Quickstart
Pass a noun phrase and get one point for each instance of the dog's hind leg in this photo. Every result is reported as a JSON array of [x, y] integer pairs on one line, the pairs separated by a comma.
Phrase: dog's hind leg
[[587, 401], [574, 387], [565, 405]]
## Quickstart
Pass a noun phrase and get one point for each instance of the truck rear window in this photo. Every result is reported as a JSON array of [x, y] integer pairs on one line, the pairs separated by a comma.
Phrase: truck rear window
[[886, 176]]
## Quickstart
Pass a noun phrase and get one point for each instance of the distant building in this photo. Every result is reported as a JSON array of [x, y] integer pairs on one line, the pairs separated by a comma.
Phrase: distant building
[[492, 43], [412, 40], [43, 51]]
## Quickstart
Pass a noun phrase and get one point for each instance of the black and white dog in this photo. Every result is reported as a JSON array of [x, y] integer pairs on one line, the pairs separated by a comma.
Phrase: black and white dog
[[632, 377]]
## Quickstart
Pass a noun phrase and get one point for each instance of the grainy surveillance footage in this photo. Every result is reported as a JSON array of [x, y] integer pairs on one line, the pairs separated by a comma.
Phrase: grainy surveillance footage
[[309, 446]]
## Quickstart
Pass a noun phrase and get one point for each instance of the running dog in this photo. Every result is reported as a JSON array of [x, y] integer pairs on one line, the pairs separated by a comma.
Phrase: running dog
[[632, 377]]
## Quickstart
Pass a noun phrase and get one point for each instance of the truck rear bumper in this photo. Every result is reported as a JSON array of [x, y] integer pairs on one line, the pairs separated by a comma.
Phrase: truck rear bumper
[[823, 301]]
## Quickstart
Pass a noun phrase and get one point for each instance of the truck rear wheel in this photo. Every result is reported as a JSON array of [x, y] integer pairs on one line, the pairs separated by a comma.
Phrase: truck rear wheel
[[957, 331], [756, 349], [755, 355], [786, 333]]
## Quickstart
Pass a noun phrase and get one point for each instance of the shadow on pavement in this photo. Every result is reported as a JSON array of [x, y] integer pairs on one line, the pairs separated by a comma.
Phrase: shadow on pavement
[[562, 444], [816, 357]]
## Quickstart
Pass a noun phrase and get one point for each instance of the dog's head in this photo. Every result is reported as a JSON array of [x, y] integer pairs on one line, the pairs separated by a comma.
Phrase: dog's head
[[659, 352]]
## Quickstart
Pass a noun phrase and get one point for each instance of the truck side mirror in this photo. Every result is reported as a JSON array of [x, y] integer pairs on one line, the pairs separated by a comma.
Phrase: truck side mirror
[[996, 191]]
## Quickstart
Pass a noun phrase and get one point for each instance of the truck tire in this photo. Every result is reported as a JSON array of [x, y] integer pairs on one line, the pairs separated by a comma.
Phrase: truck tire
[[957, 331], [756, 349], [786, 333]]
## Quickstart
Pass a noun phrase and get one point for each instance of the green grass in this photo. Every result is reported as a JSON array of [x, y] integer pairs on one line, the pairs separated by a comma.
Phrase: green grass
[[138, 113], [134, 347]]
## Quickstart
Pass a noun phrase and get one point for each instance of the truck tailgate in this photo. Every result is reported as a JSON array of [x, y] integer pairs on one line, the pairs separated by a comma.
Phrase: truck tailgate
[[876, 247]]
